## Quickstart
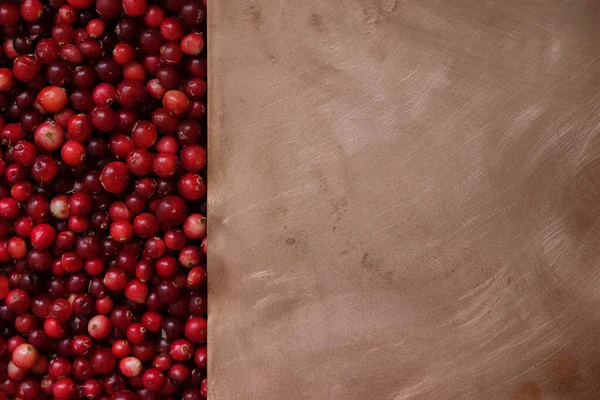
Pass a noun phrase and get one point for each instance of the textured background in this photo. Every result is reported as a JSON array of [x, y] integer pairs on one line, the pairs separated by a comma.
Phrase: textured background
[[404, 199]]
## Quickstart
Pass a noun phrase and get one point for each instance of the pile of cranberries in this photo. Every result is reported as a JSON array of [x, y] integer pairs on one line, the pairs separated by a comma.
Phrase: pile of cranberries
[[102, 199]]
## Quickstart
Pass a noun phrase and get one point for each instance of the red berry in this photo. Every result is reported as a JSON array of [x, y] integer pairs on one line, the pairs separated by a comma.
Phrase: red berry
[[192, 44], [43, 236], [115, 177], [99, 327], [52, 99], [73, 153], [25, 356], [130, 366]]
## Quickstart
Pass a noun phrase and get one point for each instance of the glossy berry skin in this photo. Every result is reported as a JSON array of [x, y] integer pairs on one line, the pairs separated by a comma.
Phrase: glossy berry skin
[[115, 177]]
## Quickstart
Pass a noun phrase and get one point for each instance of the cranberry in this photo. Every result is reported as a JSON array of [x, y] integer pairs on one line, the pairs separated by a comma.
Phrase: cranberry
[[54, 328], [52, 99], [108, 9], [115, 177], [195, 329], [192, 44], [103, 362], [121, 348], [130, 366], [136, 291], [92, 389], [7, 80], [153, 379], [179, 374], [49, 136], [131, 94], [121, 317], [26, 67], [104, 118], [171, 211], [99, 327], [25, 356], [64, 389]]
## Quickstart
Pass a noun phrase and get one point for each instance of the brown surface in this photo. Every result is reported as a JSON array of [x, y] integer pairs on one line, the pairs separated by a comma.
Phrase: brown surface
[[404, 199]]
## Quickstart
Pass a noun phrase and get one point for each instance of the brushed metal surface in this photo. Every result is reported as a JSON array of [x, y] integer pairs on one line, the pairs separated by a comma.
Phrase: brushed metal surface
[[404, 199]]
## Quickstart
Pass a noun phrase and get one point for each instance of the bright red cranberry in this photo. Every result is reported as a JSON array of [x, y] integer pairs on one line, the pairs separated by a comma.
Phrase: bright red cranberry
[[115, 279], [92, 389], [181, 350], [196, 278], [136, 333], [139, 162], [43, 236], [176, 102], [194, 226], [136, 291], [73, 153], [44, 169], [175, 239], [52, 99], [115, 177], [134, 8], [22, 191], [163, 362], [25, 68], [67, 14], [54, 328], [95, 28], [192, 186], [25, 356], [49, 136], [64, 389], [104, 305], [121, 231], [78, 224], [195, 329], [60, 309], [80, 128], [172, 29], [121, 348], [134, 71], [145, 225], [153, 379], [154, 16], [81, 345], [165, 164], [192, 44], [123, 53], [104, 94]]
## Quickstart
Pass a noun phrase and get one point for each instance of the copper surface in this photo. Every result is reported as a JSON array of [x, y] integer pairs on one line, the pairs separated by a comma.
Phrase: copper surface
[[404, 199]]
